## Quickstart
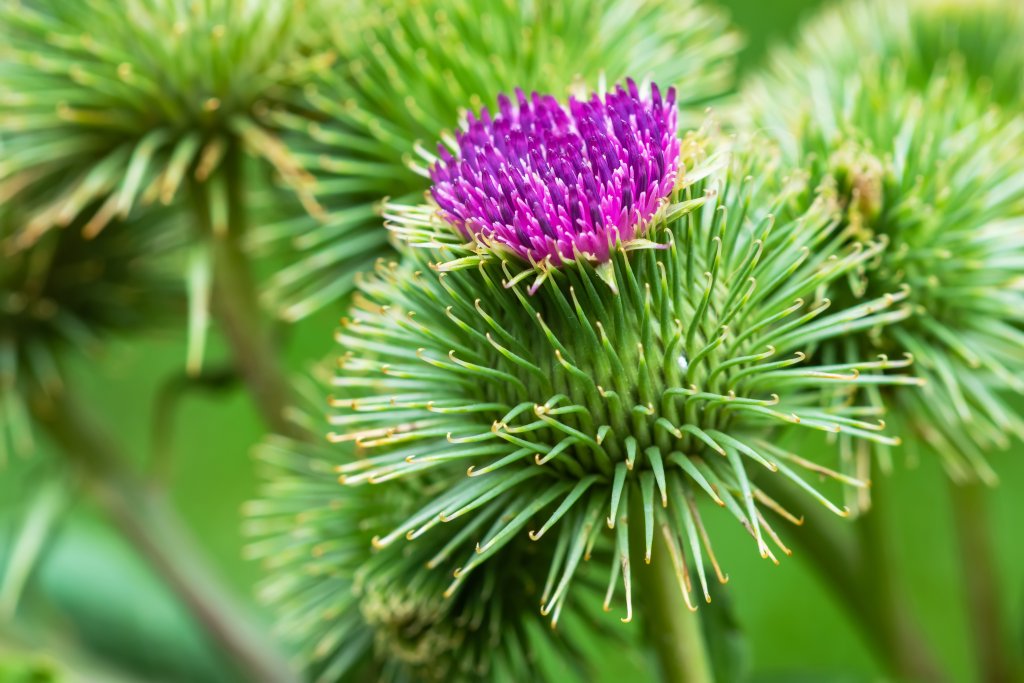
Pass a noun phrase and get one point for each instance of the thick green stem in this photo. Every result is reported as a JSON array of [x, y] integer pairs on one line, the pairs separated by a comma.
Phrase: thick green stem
[[671, 629], [235, 303], [891, 617], [993, 646], [148, 522], [859, 572]]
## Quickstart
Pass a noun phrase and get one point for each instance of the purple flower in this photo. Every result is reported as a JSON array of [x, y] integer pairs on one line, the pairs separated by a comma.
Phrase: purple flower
[[553, 182]]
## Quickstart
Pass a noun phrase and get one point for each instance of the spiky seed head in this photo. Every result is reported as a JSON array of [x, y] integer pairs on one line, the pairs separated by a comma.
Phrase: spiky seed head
[[108, 105], [355, 608], [545, 399], [553, 183], [363, 136], [937, 173]]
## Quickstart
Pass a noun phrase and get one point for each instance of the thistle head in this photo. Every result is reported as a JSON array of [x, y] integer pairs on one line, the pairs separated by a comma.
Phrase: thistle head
[[546, 404], [553, 183]]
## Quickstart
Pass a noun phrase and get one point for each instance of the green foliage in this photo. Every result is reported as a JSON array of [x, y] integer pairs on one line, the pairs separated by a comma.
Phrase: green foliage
[[67, 293], [661, 376], [369, 113], [919, 37], [924, 162], [27, 670], [507, 435]]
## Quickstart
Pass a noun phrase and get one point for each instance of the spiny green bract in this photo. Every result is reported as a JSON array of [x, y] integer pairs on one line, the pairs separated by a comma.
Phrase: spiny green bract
[[659, 376], [109, 104], [359, 614], [66, 293], [922, 36], [939, 174], [408, 70]]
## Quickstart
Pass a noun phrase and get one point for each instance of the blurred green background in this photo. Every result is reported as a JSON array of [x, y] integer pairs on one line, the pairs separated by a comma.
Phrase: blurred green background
[[790, 620]]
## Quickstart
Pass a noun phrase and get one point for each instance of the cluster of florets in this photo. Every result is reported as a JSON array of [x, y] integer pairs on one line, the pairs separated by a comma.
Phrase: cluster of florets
[[553, 184]]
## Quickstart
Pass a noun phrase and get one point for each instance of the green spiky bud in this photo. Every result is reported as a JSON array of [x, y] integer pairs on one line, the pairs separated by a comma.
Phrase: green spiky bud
[[586, 404], [360, 141], [942, 170], [359, 614], [108, 105]]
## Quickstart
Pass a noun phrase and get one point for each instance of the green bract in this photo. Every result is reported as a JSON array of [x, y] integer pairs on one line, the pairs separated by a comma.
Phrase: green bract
[[410, 66], [938, 173], [660, 377], [359, 614], [110, 104]]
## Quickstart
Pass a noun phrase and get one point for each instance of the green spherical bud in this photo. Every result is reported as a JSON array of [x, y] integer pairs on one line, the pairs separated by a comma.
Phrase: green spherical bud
[[108, 105], [923, 37], [941, 169]]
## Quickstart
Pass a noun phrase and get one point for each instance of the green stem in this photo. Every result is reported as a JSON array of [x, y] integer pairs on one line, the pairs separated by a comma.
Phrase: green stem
[[859, 572], [889, 612], [671, 629], [988, 621], [147, 521], [235, 301]]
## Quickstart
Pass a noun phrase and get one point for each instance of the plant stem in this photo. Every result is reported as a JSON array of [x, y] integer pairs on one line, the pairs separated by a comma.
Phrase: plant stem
[[148, 522], [987, 618], [235, 303], [859, 572], [890, 614], [671, 629]]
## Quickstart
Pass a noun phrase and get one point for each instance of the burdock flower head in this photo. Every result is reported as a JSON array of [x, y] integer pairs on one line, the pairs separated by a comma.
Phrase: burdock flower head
[[552, 183], [596, 416]]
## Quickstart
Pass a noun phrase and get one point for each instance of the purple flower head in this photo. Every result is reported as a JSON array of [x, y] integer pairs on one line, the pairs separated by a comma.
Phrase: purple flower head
[[554, 182]]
